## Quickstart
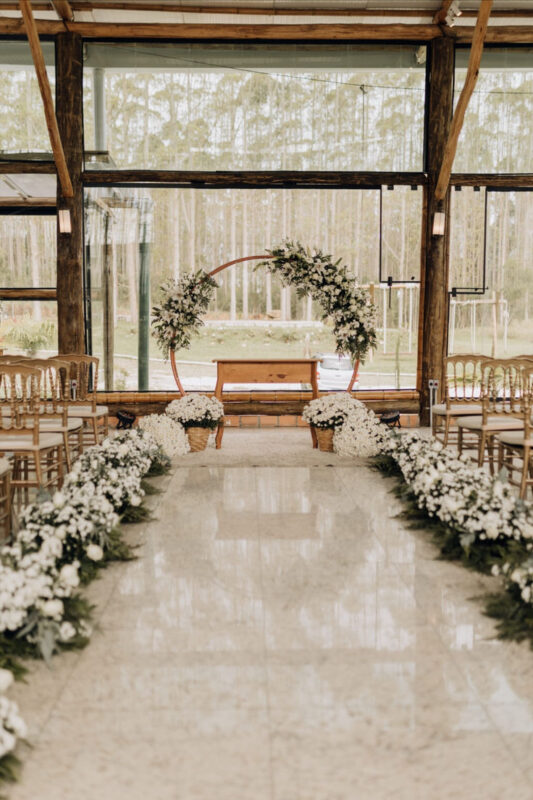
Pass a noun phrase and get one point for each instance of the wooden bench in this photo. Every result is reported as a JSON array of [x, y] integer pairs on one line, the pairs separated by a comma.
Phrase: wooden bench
[[257, 370]]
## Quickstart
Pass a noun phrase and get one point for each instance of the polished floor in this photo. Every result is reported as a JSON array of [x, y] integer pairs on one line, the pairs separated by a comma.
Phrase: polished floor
[[283, 637]]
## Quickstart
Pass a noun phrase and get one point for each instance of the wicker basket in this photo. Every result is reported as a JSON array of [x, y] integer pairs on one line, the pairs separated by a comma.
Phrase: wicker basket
[[198, 438], [324, 438]]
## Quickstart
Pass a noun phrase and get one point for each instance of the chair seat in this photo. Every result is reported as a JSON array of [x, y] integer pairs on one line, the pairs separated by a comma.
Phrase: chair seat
[[457, 409], [55, 425], [496, 423], [86, 412], [515, 439], [24, 442]]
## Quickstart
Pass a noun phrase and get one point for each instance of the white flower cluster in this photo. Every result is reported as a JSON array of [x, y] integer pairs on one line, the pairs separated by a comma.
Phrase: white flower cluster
[[40, 570], [168, 433], [346, 303], [180, 312], [519, 579], [196, 410], [358, 432], [12, 726], [465, 497]]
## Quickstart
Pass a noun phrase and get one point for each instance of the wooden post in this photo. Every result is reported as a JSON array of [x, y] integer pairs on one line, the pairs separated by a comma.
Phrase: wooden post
[[434, 284], [71, 333]]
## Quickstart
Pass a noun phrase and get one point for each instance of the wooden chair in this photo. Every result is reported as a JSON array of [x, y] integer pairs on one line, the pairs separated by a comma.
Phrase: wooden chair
[[5, 500], [54, 408], [518, 445], [462, 394], [501, 400], [37, 456], [80, 383]]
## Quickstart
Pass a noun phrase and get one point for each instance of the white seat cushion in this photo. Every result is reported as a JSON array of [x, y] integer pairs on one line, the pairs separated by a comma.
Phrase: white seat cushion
[[9, 444], [516, 439], [86, 411], [493, 423], [47, 425], [457, 409]]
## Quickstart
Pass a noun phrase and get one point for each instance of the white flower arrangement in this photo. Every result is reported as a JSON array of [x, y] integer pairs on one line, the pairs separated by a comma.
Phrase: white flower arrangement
[[179, 314], [357, 430], [196, 410], [12, 726], [167, 432], [346, 303], [480, 508]]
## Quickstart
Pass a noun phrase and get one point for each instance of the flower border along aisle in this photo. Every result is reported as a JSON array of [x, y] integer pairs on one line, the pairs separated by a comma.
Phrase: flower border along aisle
[[62, 543], [473, 517]]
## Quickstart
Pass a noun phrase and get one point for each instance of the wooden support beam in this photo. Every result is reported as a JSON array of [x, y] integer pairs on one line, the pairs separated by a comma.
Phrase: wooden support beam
[[267, 32], [69, 64], [46, 94], [433, 340], [27, 167], [63, 10], [28, 294], [472, 73], [254, 180]]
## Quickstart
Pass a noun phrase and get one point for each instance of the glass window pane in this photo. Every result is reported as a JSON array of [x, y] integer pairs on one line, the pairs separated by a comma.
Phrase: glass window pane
[[21, 108], [252, 315], [255, 106], [28, 327], [467, 239], [402, 231], [496, 133], [27, 251], [499, 322]]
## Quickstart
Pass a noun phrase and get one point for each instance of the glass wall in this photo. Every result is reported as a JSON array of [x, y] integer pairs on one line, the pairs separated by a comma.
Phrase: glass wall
[[494, 265], [251, 315], [496, 131], [255, 106], [23, 127]]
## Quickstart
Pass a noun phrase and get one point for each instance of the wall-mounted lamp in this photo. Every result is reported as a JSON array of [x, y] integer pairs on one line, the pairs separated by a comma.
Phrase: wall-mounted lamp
[[454, 12], [439, 222], [65, 223]]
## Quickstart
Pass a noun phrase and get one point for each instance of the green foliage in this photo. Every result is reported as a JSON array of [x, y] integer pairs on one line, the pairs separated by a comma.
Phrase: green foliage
[[134, 514], [30, 336], [514, 617], [9, 771]]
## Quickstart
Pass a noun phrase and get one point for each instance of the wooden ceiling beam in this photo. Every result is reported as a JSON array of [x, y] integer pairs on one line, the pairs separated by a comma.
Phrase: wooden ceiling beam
[[48, 101], [440, 16], [472, 73], [63, 10], [309, 32]]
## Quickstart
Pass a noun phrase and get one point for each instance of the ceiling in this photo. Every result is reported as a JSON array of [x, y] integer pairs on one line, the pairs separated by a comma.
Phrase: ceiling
[[257, 11]]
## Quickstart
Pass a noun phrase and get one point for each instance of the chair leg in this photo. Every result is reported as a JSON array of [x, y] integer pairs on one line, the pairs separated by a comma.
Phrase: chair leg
[[59, 468], [525, 473], [38, 469], [460, 440], [447, 424], [481, 449], [66, 448], [95, 430]]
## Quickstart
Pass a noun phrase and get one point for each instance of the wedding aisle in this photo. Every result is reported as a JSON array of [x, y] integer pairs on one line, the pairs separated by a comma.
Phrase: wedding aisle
[[282, 637]]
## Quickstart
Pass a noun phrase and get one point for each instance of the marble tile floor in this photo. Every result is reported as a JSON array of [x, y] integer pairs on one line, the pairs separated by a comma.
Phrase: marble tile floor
[[282, 637]]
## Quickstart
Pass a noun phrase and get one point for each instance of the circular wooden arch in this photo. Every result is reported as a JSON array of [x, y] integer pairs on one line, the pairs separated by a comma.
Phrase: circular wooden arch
[[265, 257]]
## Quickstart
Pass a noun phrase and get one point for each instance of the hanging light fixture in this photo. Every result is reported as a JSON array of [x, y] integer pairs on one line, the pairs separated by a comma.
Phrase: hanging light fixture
[[64, 220], [439, 223]]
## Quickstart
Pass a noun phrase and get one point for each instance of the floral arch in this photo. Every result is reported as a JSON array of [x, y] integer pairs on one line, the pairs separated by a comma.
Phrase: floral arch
[[311, 272]]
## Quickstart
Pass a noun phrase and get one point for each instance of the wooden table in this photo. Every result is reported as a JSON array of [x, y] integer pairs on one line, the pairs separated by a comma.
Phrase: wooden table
[[258, 370]]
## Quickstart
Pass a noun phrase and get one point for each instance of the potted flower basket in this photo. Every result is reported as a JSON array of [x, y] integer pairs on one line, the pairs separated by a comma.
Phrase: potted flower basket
[[199, 415], [324, 415]]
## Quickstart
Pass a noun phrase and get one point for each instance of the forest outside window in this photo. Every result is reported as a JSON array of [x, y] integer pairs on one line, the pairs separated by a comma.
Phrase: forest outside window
[[254, 106], [252, 315]]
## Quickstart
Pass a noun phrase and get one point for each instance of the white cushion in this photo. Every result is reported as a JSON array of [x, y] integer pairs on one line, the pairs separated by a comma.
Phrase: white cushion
[[497, 423], [86, 411], [73, 423], [457, 409], [516, 439], [9, 444]]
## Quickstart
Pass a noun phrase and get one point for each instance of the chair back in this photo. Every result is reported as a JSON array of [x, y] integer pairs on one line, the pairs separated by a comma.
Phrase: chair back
[[19, 394], [463, 379], [527, 399], [54, 401], [79, 378], [502, 387]]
